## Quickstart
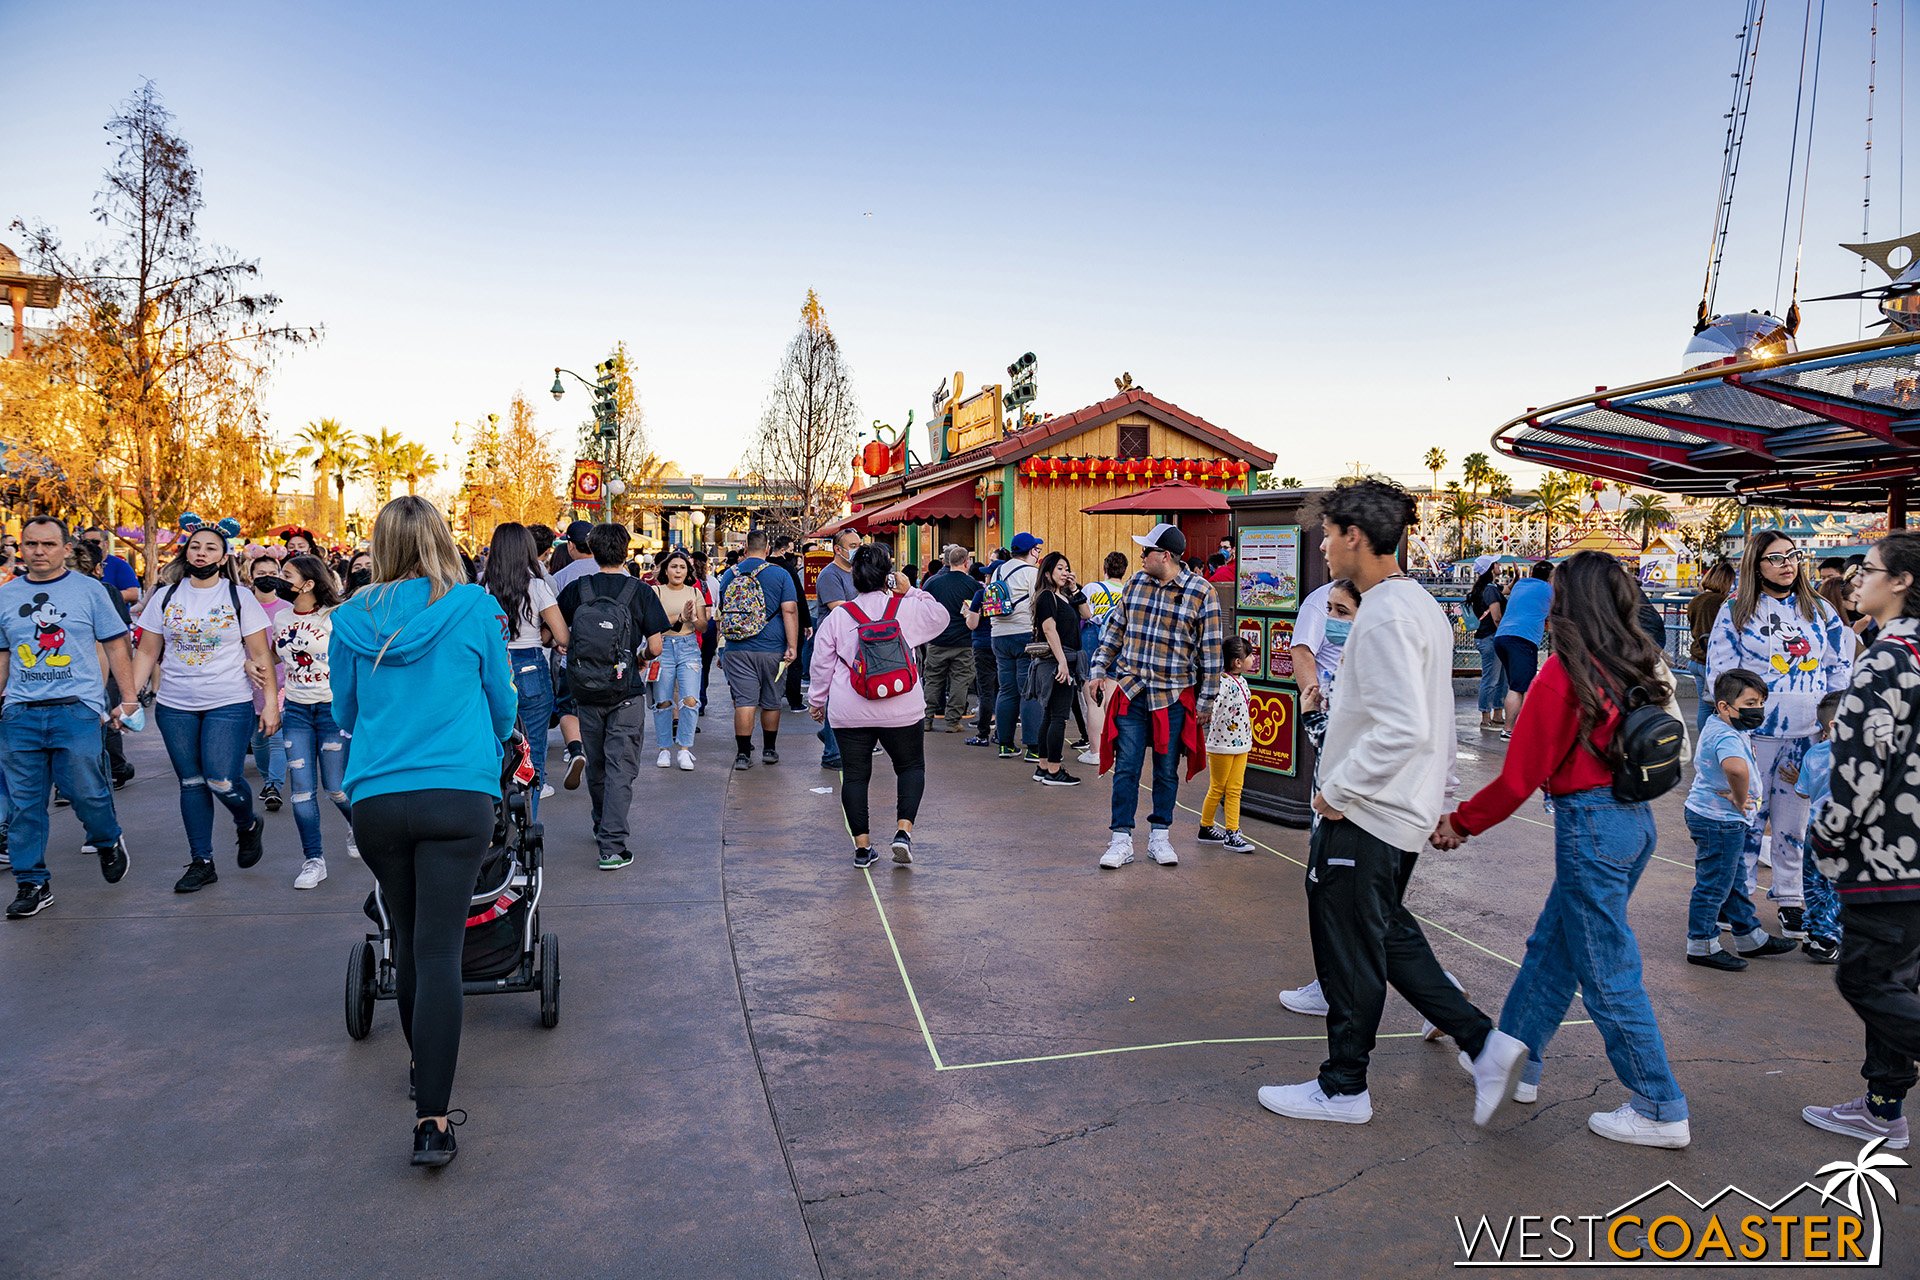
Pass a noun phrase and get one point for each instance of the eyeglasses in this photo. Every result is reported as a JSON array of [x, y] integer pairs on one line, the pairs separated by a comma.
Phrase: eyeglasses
[[1866, 569], [1778, 559]]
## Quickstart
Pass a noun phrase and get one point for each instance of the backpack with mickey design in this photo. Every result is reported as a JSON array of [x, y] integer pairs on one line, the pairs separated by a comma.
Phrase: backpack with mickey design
[[885, 667]]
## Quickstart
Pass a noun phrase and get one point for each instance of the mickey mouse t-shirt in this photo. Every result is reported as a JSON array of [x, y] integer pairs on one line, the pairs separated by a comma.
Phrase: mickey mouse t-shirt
[[300, 640], [51, 628], [204, 665]]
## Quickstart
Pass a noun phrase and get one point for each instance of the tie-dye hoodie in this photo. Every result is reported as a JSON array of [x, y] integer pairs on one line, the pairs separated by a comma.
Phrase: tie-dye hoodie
[[1801, 661]]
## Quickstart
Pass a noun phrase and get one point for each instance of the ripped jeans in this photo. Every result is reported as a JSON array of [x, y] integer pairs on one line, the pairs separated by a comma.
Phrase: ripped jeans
[[316, 747], [207, 749], [679, 679]]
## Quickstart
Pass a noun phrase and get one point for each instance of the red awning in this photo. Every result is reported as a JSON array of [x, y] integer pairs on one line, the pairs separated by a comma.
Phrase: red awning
[[1170, 497], [836, 524], [949, 502]]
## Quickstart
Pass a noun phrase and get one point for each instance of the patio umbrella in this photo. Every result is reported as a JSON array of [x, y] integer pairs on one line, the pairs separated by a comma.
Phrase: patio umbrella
[[1170, 496]]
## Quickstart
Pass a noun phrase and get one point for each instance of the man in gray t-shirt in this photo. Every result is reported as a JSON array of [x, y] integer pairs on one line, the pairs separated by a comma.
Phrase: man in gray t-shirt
[[1011, 633], [833, 588]]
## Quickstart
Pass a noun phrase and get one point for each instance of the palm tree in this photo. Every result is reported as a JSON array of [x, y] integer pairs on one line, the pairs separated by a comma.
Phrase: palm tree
[[1646, 512], [277, 464], [1462, 509], [416, 464], [1477, 471], [1291, 482], [1499, 486], [1436, 459], [1863, 1174], [381, 455], [351, 465], [330, 446], [1557, 498]]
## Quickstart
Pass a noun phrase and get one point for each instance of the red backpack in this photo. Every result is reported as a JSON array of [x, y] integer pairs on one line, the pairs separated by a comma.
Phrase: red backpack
[[885, 668]]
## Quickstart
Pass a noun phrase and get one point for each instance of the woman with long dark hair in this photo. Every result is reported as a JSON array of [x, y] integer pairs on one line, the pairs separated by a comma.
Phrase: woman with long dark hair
[[1716, 584], [513, 577], [1486, 600], [676, 694], [1775, 624], [201, 630], [421, 681], [315, 745], [1563, 741], [1058, 607]]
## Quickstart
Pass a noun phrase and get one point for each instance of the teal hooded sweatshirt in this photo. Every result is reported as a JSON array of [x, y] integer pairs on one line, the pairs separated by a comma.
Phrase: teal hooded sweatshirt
[[434, 714]]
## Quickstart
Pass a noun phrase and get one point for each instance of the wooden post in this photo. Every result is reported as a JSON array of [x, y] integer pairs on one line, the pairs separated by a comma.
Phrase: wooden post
[[1897, 505]]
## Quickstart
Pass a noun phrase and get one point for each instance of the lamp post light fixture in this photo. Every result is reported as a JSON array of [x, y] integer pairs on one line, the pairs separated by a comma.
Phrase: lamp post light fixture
[[606, 421]]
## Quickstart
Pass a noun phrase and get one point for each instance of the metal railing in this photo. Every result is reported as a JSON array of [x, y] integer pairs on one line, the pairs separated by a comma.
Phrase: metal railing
[[1466, 655]]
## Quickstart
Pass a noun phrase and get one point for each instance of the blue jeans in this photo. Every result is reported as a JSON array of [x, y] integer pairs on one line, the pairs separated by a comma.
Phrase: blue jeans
[[40, 746], [316, 750], [533, 680], [1705, 709], [1130, 752], [1493, 677], [207, 749], [269, 757], [829, 745], [1718, 843], [1582, 942], [679, 680], [1011, 662]]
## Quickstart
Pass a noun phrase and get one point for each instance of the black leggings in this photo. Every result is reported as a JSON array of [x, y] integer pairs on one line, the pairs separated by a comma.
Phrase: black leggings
[[1061, 706], [905, 745], [425, 849]]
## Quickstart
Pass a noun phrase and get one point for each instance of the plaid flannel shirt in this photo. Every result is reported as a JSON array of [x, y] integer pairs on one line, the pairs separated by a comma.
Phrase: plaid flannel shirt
[[1163, 638]]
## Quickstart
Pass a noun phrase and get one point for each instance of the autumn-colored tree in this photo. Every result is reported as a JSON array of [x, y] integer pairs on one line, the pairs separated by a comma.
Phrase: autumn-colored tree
[[526, 473], [167, 333], [626, 455], [809, 425]]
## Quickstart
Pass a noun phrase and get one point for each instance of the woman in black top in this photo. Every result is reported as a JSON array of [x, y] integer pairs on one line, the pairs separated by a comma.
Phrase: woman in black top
[[1058, 607], [1486, 600]]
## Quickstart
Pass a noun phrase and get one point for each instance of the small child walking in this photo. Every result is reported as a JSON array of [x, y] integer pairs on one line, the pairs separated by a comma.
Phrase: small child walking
[[1720, 807], [1229, 740], [1816, 784]]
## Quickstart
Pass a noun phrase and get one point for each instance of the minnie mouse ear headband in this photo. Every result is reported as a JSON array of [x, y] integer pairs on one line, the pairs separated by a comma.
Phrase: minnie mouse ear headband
[[227, 527]]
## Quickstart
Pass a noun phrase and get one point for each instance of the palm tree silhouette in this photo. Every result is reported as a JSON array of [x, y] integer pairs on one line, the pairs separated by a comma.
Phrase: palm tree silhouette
[[1862, 1174], [1436, 459]]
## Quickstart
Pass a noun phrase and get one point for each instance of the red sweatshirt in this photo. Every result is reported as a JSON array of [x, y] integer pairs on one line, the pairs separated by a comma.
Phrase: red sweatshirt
[[1544, 752]]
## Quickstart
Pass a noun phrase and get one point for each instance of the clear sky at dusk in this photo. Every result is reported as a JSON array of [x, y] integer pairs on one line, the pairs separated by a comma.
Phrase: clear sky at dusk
[[1347, 232]]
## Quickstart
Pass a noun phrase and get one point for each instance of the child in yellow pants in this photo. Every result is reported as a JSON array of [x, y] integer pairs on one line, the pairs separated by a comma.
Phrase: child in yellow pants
[[1229, 740]]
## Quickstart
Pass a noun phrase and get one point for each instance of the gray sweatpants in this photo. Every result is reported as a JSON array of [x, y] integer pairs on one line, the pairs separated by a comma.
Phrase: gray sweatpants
[[613, 738]]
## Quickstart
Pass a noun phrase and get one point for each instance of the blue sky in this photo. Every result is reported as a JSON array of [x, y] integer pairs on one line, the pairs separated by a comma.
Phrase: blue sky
[[1345, 232]]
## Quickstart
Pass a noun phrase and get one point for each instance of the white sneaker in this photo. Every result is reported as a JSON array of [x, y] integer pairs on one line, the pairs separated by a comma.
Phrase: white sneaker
[[666, 760], [1495, 1073], [1089, 757], [312, 872], [685, 760], [1522, 1092], [1306, 1102], [1160, 848], [1307, 1000], [1119, 850], [1429, 1032], [353, 850], [1627, 1125], [546, 793]]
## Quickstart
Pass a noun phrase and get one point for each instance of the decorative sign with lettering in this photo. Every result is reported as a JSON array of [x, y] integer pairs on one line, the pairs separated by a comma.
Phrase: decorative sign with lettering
[[1276, 725]]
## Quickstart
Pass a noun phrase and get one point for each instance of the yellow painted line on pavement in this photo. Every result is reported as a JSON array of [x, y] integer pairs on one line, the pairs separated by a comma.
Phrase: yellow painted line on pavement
[[912, 999], [1186, 1044], [1656, 857]]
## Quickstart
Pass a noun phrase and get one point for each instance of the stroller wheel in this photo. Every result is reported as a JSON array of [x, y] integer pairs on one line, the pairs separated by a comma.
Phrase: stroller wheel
[[549, 979], [360, 990]]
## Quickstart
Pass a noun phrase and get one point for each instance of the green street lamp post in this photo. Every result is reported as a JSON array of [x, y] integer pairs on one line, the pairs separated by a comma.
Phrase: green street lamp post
[[606, 421]]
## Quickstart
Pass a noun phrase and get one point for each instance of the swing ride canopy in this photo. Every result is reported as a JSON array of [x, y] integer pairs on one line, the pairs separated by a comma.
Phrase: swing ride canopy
[[1836, 427]]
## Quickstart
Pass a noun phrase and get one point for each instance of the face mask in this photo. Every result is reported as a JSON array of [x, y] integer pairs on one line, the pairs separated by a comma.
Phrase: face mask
[[204, 571], [359, 577], [1338, 629], [1748, 719], [270, 585]]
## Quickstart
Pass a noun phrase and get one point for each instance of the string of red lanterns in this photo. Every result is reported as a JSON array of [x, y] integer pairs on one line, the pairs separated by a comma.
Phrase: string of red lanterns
[[1206, 472]]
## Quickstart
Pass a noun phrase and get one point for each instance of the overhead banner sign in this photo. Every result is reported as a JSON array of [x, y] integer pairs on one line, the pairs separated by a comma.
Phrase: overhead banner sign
[[976, 420], [587, 482]]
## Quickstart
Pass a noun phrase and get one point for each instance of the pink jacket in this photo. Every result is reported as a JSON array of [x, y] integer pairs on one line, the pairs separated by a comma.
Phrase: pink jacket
[[836, 647]]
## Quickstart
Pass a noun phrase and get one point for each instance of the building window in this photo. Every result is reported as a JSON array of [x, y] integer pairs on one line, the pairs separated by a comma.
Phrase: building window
[[1133, 442]]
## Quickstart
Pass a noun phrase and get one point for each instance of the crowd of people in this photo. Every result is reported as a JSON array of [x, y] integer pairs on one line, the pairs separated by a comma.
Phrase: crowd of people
[[386, 681]]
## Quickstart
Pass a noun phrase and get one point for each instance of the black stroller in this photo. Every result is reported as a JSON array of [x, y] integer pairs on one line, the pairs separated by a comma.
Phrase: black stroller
[[504, 950]]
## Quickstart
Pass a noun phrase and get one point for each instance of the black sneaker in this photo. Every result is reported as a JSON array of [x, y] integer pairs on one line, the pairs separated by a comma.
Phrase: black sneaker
[[113, 860], [1771, 947], [1033, 757], [1078, 744], [1039, 774], [863, 855], [270, 796], [61, 802], [1793, 922], [1821, 950], [743, 762], [1212, 835], [1718, 960], [251, 844], [120, 780], [32, 900], [1009, 753], [903, 847], [433, 1146], [1060, 778], [769, 756], [200, 874], [576, 766]]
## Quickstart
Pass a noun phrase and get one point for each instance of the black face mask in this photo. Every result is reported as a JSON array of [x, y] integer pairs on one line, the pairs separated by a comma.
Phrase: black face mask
[[1748, 719], [270, 585], [359, 577], [204, 571]]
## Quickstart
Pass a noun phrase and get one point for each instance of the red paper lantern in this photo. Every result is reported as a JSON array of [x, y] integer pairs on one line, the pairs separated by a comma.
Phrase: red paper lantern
[[876, 459], [1110, 472]]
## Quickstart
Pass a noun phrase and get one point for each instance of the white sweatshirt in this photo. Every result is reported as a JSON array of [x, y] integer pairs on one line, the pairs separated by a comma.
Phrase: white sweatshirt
[[1388, 761]]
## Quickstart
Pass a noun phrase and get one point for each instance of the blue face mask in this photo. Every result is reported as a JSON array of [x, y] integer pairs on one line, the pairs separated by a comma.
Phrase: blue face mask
[[1338, 629]]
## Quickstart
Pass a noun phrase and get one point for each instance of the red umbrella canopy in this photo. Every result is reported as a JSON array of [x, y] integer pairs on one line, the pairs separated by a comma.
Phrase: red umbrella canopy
[[1170, 496]]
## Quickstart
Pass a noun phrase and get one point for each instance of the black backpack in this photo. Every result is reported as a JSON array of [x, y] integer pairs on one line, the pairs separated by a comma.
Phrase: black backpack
[[601, 652], [1650, 743]]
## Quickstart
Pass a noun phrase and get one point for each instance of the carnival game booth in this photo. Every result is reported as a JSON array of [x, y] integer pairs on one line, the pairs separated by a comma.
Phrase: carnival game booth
[[998, 480]]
